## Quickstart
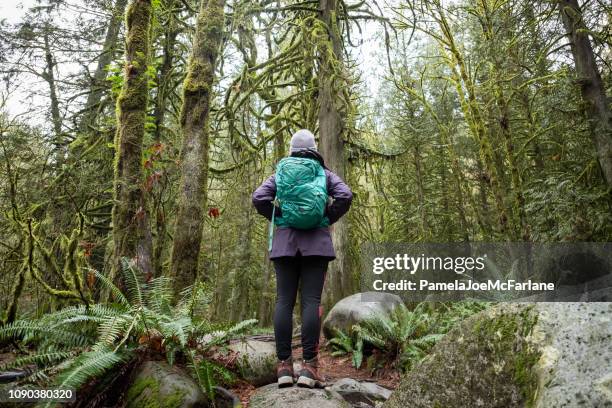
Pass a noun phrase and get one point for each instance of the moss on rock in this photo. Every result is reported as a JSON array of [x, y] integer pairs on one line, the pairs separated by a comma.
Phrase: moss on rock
[[158, 385], [487, 361]]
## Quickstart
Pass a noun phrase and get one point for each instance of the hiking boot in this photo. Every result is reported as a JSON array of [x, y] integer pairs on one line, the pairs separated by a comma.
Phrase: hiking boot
[[284, 373], [309, 375]]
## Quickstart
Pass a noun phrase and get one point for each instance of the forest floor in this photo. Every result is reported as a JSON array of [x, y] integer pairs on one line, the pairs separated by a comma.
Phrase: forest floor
[[333, 369]]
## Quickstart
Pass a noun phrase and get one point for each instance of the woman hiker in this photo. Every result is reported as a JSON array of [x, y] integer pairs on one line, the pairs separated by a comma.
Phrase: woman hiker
[[302, 199]]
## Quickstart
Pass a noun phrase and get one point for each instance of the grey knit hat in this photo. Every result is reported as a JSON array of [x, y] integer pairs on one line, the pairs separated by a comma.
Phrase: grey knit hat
[[303, 139]]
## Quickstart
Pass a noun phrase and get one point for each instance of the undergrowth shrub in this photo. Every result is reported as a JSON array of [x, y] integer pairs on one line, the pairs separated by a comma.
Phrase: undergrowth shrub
[[78, 344]]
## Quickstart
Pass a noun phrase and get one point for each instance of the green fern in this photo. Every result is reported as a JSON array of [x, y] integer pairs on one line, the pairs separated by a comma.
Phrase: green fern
[[341, 343], [89, 365], [111, 287], [404, 336], [30, 331], [358, 352], [79, 343], [132, 282], [38, 359]]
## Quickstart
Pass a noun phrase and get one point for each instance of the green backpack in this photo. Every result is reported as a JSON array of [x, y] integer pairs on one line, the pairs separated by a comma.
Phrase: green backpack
[[301, 194]]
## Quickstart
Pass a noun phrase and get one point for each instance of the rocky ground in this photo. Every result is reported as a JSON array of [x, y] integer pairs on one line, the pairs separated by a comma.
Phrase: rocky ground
[[517, 355], [334, 369]]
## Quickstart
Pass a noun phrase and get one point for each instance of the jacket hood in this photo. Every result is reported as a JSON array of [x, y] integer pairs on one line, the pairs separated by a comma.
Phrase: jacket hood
[[310, 154]]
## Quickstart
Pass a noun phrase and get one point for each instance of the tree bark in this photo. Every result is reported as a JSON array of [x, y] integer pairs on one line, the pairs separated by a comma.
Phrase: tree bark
[[56, 119], [197, 91], [420, 190], [165, 85], [131, 233], [243, 279], [97, 89], [472, 111], [331, 144], [592, 88]]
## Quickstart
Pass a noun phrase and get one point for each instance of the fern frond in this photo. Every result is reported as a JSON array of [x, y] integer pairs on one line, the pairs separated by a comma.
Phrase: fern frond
[[341, 343], [89, 365], [213, 338], [427, 340], [193, 299], [29, 329], [112, 329], [113, 289], [177, 329], [383, 325], [133, 285], [241, 327], [159, 294], [358, 353], [40, 359], [370, 336]]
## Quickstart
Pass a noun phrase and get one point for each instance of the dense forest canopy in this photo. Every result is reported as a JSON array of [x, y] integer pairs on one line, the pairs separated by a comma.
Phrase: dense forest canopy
[[140, 128]]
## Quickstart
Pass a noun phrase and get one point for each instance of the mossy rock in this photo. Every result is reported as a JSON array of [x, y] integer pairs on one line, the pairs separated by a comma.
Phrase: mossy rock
[[356, 308], [157, 385], [517, 355], [256, 361]]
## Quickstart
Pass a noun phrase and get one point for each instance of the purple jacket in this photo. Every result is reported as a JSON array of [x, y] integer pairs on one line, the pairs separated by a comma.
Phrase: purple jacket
[[317, 241]]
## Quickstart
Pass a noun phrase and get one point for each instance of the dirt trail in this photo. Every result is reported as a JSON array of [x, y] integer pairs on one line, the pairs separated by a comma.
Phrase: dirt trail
[[333, 368]]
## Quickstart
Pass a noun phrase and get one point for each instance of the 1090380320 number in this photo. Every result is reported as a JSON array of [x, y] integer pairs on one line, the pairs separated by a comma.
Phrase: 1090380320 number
[[37, 394]]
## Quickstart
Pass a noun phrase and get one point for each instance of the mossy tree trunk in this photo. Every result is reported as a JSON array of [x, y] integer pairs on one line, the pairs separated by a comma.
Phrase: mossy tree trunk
[[498, 67], [131, 233], [417, 161], [472, 111], [592, 88], [166, 85], [49, 77], [165, 82], [243, 276], [197, 91], [98, 88], [332, 121]]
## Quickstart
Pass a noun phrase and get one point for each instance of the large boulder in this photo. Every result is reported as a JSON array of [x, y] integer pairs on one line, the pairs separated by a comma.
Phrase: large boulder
[[270, 396], [256, 361], [360, 392], [356, 308], [157, 385], [516, 355]]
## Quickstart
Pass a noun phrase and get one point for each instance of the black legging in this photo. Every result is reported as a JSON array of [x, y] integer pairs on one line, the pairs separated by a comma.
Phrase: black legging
[[309, 271]]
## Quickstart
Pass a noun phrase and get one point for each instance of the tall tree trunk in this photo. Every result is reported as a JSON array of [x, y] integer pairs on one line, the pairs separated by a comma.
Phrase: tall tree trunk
[[243, 279], [424, 225], [56, 119], [472, 111], [165, 88], [131, 233], [197, 91], [591, 86], [461, 189], [164, 85], [331, 128], [58, 215], [92, 105]]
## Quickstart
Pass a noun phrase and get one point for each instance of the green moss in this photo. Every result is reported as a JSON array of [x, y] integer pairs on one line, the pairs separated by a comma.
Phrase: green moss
[[210, 23], [139, 397], [506, 335], [488, 359], [200, 76], [135, 397], [174, 400]]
